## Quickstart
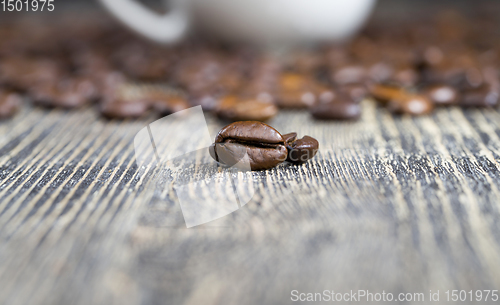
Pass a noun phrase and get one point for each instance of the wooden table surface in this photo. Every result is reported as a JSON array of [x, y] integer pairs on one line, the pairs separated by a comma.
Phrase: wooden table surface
[[394, 204]]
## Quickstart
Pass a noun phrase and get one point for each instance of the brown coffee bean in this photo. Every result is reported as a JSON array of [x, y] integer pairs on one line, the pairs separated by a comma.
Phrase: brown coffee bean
[[484, 96], [295, 99], [163, 100], [74, 93], [357, 92], [119, 108], [412, 104], [380, 72], [10, 102], [342, 108], [349, 74], [289, 137], [264, 145], [300, 150], [293, 82], [44, 94], [296, 91], [70, 93], [442, 95], [168, 105], [406, 75], [233, 108], [25, 72], [384, 93]]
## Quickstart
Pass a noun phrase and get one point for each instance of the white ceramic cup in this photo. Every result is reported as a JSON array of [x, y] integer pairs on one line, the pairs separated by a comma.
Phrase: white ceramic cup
[[257, 21]]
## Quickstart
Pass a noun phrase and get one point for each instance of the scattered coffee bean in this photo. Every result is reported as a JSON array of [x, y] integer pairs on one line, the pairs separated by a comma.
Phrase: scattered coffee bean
[[442, 95], [121, 108], [406, 76], [167, 105], [384, 93], [233, 108], [484, 96], [295, 91], [264, 145], [10, 103], [86, 62], [349, 74], [412, 104], [300, 150], [342, 108], [70, 93], [357, 92]]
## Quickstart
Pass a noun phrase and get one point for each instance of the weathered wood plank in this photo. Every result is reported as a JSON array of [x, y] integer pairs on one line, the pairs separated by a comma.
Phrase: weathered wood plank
[[390, 203]]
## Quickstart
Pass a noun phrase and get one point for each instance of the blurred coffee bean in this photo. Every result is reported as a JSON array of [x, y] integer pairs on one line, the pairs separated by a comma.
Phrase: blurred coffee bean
[[442, 95], [44, 95], [295, 91], [295, 99], [293, 82], [412, 104], [484, 96], [342, 108], [164, 104], [23, 72], [233, 108], [10, 102], [406, 76], [122, 109], [433, 56], [349, 74], [380, 72], [69, 93], [385, 93], [357, 92], [208, 101], [445, 73]]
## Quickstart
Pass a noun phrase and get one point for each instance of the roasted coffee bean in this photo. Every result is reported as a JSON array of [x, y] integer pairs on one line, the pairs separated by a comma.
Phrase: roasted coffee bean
[[25, 72], [342, 108], [71, 93], [122, 109], [484, 96], [295, 91], [296, 99], [167, 105], [384, 93], [349, 74], [264, 145], [289, 137], [300, 150], [10, 102], [412, 104], [406, 76], [163, 100], [233, 108], [442, 95], [74, 93], [357, 92], [44, 94]]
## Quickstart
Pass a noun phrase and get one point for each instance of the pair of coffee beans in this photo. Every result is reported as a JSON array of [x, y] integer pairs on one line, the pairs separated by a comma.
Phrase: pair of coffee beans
[[260, 146]]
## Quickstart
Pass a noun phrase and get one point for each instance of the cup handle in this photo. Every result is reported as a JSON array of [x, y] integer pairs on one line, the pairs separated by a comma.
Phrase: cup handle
[[166, 28]]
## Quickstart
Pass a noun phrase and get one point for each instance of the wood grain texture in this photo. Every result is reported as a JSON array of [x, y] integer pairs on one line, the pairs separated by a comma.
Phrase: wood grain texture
[[398, 204]]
